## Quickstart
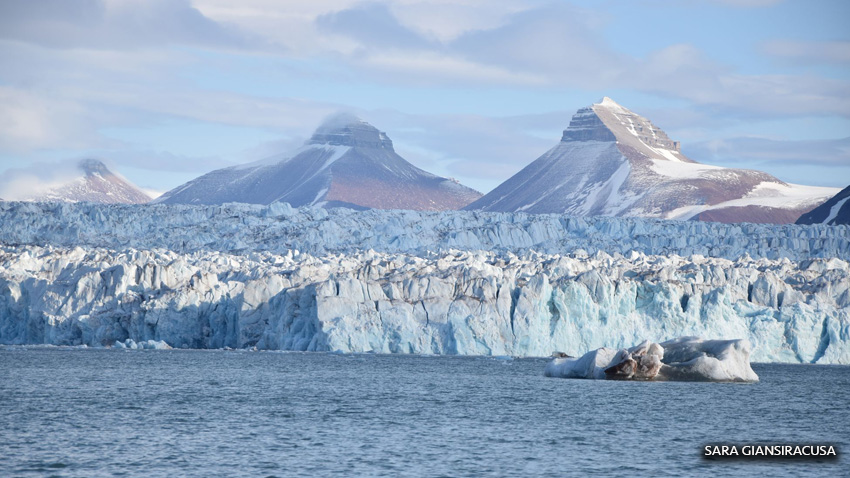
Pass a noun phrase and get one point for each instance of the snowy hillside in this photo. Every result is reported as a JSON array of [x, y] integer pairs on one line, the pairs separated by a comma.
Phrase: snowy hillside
[[347, 162], [613, 162], [95, 183]]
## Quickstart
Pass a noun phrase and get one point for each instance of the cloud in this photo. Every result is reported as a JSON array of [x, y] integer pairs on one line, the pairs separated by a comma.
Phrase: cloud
[[559, 42], [684, 72], [834, 152], [164, 161], [479, 150], [560, 46], [372, 25], [551, 45], [814, 162], [810, 53], [25, 182], [111, 24], [33, 120]]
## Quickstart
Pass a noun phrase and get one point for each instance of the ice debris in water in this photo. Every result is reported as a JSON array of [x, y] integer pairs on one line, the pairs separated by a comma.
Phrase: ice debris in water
[[682, 359]]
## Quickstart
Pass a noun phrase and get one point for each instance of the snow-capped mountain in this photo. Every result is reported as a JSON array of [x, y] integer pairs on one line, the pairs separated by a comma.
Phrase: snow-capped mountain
[[613, 162], [347, 162], [94, 183], [834, 211]]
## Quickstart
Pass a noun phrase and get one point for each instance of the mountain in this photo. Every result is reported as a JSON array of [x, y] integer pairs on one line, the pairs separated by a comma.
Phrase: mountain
[[95, 183], [347, 162], [613, 162], [834, 211]]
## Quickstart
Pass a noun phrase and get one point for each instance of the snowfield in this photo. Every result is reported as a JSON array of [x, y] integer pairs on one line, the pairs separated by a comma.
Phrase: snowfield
[[274, 277]]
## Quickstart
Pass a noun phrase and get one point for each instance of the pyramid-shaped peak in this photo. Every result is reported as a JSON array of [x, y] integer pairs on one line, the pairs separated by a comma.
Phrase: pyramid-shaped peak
[[607, 103], [91, 166], [609, 121], [345, 129]]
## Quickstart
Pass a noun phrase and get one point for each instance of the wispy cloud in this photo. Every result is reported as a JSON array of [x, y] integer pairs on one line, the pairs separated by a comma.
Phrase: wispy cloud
[[80, 68], [810, 52]]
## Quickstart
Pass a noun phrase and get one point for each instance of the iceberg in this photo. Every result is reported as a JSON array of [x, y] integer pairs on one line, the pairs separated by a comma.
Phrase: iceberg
[[681, 359], [144, 345]]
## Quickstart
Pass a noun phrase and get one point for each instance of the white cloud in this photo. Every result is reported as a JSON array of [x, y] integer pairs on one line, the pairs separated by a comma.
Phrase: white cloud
[[429, 68], [85, 65], [30, 180], [32, 120], [112, 24]]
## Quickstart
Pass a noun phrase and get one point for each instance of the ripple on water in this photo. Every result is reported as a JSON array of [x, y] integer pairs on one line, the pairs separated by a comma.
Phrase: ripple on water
[[190, 413]]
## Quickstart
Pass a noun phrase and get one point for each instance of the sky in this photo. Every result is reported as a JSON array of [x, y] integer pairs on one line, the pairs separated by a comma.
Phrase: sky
[[166, 90]]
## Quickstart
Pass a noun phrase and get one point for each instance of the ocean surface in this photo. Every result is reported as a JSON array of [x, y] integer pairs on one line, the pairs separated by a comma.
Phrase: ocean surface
[[87, 413]]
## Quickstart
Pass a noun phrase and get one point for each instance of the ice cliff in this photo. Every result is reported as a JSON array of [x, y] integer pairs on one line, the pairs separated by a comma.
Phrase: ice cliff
[[449, 302]]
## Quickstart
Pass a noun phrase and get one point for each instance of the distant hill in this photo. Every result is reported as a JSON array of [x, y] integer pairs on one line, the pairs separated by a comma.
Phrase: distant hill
[[347, 162], [95, 183]]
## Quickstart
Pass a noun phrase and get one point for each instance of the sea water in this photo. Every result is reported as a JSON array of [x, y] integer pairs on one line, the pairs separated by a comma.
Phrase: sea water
[[91, 413]]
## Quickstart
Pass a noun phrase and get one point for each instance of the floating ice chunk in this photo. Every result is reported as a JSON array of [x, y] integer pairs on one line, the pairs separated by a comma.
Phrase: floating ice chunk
[[146, 344], [682, 359]]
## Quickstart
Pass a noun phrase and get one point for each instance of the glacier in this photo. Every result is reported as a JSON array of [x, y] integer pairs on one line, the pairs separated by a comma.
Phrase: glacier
[[229, 283], [279, 228]]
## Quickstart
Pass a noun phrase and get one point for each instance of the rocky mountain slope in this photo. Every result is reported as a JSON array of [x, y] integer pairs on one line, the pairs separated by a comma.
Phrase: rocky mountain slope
[[613, 162], [347, 162], [834, 211], [96, 184]]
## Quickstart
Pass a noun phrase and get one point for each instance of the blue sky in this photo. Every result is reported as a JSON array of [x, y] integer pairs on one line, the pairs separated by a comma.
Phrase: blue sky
[[166, 90]]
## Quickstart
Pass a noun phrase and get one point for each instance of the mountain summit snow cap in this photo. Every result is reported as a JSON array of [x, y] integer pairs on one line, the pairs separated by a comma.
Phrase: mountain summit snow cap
[[346, 129], [607, 101]]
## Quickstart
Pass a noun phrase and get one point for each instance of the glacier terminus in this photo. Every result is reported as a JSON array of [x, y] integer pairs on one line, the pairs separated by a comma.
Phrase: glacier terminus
[[451, 282]]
